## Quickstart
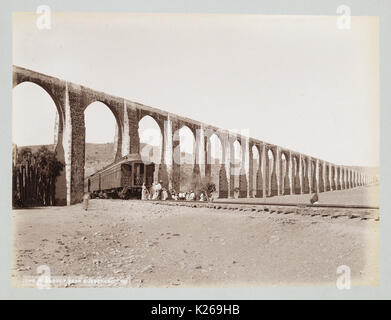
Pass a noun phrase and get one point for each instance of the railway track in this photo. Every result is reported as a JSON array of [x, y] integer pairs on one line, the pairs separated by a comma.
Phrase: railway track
[[301, 205], [324, 210]]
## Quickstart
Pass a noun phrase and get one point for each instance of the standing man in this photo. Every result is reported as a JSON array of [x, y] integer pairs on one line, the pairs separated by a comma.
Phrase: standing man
[[144, 192], [86, 199], [158, 189]]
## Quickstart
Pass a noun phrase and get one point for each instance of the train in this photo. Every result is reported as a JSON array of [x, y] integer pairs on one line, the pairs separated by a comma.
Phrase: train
[[121, 179]]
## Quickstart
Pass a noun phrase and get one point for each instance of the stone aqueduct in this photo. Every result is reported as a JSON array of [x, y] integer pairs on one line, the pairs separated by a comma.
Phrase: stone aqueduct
[[302, 174]]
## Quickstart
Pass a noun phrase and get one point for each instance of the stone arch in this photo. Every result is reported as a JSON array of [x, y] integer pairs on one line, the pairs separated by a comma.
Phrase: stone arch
[[327, 177], [150, 134], [184, 155], [116, 107], [296, 183], [272, 159], [351, 178], [215, 168], [58, 148], [320, 176], [151, 145], [343, 178], [260, 172], [157, 117], [192, 127], [90, 110], [236, 158], [214, 148], [332, 178], [55, 92], [284, 182], [306, 172], [338, 177], [187, 141], [53, 96], [255, 164], [312, 167]]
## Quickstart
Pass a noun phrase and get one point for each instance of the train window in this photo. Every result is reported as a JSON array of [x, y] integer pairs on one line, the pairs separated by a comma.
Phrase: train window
[[138, 174]]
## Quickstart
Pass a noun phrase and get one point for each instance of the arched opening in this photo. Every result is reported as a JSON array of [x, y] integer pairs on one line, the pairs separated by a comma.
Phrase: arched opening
[[32, 105], [306, 185], [256, 171], [215, 159], [352, 179], [216, 149], [285, 174], [327, 177], [320, 177], [273, 187], [332, 178], [151, 142], [36, 123], [313, 175], [101, 137], [296, 175], [338, 178], [184, 155], [236, 167]]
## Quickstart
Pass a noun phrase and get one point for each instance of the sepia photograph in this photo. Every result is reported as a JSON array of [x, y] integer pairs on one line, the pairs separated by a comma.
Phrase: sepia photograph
[[185, 150]]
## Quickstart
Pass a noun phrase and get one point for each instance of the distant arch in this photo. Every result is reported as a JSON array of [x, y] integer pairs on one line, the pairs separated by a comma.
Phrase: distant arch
[[312, 167], [237, 164], [332, 178], [255, 171], [273, 185], [306, 173], [296, 181], [285, 187], [327, 177]]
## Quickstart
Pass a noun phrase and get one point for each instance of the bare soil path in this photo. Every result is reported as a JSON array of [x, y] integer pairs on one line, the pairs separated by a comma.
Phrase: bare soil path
[[140, 244]]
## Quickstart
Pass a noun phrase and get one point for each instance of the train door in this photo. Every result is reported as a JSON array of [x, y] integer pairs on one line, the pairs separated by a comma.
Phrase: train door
[[149, 171], [138, 177], [126, 175]]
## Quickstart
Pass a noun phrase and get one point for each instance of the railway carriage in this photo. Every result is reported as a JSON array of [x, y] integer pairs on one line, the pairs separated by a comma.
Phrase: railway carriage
[[122, 179]]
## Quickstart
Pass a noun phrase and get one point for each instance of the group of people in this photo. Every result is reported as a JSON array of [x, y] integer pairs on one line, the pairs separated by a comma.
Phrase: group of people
[[158, 192], [155, 192], [188, 196]]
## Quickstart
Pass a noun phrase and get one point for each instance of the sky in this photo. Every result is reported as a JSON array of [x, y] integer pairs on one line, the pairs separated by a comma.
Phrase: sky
[[294, 81]]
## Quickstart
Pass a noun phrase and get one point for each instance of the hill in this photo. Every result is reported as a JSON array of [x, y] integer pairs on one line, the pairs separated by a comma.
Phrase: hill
[[99, 155]]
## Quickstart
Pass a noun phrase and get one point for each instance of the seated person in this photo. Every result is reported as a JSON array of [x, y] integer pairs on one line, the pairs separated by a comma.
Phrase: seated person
[[314, 199], [164, 194], [191, 196]]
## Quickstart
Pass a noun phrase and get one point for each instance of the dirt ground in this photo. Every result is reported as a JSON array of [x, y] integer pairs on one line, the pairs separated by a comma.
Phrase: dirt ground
[[119, 243], [359, 196]]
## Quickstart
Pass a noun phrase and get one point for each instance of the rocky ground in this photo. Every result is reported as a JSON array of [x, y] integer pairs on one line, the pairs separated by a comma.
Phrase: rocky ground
[[119, 243]]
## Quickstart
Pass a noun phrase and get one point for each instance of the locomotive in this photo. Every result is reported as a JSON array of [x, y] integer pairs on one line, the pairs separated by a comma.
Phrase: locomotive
[[121, 179]]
